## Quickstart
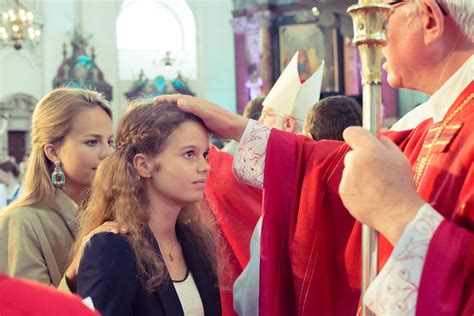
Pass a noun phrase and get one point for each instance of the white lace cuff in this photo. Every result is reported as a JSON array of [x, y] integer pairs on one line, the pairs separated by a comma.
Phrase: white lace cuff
[[249, 161], [395, 290]]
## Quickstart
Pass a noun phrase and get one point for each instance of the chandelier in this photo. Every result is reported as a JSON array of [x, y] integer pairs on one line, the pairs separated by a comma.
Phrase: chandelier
[[17, 27]]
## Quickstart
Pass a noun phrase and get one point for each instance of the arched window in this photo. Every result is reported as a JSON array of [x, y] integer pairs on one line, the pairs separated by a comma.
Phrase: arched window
[[152, 34]]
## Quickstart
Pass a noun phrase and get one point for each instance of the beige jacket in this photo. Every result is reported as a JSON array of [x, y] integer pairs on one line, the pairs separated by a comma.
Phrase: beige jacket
[[35, 243]]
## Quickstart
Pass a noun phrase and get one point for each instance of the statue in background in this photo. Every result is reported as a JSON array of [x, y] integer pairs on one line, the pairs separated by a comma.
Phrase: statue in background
[[144, 87], [80, 70]]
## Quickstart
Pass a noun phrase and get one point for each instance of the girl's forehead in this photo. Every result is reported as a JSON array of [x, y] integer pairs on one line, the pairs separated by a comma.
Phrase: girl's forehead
[[91, 121], [189, 133]]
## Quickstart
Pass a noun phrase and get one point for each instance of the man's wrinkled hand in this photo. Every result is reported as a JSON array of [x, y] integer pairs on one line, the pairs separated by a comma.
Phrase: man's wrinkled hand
[[377, 185]]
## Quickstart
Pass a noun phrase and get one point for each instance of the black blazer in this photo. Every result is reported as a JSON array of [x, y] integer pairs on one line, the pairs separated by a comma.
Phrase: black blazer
[[108, 273]]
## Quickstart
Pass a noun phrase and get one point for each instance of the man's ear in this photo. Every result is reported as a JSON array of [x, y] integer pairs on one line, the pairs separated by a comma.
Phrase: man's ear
[[432, 19], [51, 152], [289, 124], [144, 165]]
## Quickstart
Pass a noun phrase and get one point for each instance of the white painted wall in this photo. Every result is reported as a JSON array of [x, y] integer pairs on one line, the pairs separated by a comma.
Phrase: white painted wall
[[216, 69]]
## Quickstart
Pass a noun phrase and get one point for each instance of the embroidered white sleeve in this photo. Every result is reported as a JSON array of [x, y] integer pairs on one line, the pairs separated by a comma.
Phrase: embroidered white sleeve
[[249, 161], [395, 290]]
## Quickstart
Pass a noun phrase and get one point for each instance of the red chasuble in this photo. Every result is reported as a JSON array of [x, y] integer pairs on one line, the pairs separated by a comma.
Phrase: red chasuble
[[311, 246], [236, 207]]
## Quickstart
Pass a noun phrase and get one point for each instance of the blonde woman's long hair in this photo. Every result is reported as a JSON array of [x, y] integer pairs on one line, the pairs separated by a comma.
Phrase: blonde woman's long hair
[[118, 192], [52, 121]]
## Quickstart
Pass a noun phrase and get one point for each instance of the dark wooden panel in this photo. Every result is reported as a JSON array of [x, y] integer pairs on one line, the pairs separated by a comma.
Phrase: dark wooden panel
[[17, 144]]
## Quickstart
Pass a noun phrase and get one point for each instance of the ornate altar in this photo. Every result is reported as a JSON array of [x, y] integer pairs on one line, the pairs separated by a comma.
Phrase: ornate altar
[[145, 87], [268, 32], [80, 70]]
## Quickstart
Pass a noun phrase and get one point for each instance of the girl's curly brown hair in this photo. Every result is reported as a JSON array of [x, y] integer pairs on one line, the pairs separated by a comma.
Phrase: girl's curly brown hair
[[118, 192]]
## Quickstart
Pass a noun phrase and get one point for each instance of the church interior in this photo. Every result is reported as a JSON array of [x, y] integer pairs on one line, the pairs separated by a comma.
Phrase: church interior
[[236, 157], [227, 51]]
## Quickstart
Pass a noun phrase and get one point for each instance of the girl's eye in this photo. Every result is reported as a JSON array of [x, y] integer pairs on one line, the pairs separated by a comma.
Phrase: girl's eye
[[112, 143], [92, 143], [206, 155], [189, 154]]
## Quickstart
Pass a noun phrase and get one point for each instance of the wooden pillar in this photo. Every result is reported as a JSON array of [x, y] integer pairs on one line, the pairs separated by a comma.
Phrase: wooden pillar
[[264, 19]]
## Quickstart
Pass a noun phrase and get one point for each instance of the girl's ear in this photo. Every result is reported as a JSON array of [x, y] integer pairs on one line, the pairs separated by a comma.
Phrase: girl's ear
[[51, 152], [144, 165]]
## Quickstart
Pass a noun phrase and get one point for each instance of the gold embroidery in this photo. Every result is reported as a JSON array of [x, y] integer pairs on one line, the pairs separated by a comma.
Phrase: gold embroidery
[[425, 161], [447, 127], [438, 143]]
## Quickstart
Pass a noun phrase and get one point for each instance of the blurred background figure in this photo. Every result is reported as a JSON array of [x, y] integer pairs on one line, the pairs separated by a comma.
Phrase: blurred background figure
[[22, 165], [9, 177], [254, 107]]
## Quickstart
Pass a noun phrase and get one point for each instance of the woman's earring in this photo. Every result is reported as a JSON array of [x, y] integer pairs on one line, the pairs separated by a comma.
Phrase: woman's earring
[[58, 178]]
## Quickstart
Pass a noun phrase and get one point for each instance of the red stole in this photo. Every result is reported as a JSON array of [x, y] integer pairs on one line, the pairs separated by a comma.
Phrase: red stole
[[448, 274], [310, 255], [236, 207]]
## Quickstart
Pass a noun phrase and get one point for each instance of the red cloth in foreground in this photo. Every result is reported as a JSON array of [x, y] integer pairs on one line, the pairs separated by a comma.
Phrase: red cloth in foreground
[[236, 207], [27, 298], [310, 251]]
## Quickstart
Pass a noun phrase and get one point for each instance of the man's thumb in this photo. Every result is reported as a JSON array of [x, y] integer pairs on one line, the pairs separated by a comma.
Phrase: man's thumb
[[356, 136]]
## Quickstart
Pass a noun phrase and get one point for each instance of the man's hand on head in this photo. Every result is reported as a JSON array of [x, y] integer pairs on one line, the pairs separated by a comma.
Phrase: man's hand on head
[[219, 121]]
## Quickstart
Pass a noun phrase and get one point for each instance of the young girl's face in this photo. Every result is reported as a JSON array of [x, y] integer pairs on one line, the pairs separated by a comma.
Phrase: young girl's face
[[181, 169]]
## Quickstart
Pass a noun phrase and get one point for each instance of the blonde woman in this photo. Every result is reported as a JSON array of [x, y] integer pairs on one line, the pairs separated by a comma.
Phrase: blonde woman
[[166, 264], [71, 134]]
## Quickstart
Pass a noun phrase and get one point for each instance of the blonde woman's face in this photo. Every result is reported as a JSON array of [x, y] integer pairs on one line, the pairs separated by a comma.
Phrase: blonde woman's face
[[88, 143], [182, 168]]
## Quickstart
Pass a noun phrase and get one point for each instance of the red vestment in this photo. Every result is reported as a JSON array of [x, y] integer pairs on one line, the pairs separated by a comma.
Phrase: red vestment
[[236, 207], [311, 246], [27, 298]]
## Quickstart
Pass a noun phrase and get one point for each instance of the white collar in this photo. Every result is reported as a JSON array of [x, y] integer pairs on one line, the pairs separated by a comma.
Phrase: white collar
[[445, 96]]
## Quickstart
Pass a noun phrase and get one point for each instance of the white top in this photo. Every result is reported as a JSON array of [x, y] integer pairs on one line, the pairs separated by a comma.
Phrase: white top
[[189, 297]]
